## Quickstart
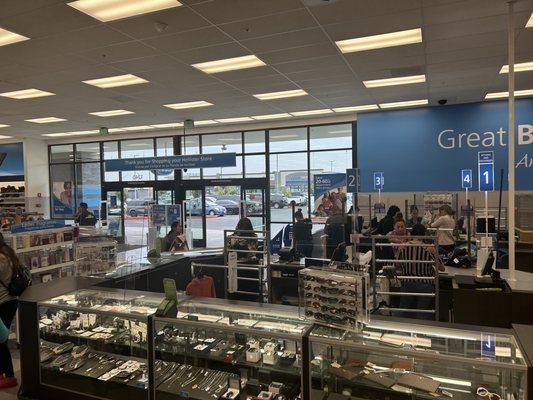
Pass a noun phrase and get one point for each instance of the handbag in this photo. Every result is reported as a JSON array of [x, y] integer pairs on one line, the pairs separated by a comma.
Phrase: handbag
[[4, 333], [20, 281]]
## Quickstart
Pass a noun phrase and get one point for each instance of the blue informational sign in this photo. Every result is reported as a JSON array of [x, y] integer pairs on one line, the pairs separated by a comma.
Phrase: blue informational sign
[[172, 162], [37, 225], [173, 213], [379, 180], [159, 215], [419, 149], [486, 171], [466, 178], [352, 180], [488, 345]]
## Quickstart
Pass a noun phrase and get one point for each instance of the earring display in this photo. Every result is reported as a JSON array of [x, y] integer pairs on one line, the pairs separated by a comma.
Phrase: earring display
[[334, 297]]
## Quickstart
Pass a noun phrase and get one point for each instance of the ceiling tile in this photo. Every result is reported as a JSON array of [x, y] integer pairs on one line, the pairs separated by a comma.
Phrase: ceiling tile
[[285, 40], [188, 40], [119, 52]]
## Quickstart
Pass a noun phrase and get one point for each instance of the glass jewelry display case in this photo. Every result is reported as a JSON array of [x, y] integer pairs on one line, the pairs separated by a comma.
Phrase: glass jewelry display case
[[394, 359], [228, 350], [96, 341]]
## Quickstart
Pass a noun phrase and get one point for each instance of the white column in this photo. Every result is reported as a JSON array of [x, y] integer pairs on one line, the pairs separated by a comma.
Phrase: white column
[[36, 176], [511, 146]]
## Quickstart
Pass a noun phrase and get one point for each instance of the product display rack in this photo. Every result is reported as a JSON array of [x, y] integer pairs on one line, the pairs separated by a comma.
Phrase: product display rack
[[49, 252], [95, 255], [394, 359], [254, 346]]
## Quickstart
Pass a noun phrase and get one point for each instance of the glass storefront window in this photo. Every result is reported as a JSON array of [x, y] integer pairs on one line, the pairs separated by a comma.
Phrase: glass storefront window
[[255, 166], [164, 147], [222, 143], [288, 179], [254, 142], [224, 172], [288, 140], [111, 153], [88, 152], [331, 137], [62, 153], [136, 149], [88, 185], [190, 145], [62, 178]]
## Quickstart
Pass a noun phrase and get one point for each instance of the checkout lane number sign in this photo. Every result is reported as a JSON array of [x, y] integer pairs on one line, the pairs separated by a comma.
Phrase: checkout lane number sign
[[466, 178], [485, 161], [379, 181]]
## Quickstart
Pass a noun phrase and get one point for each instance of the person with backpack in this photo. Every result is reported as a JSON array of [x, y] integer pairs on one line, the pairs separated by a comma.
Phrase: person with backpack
[[14, 278]]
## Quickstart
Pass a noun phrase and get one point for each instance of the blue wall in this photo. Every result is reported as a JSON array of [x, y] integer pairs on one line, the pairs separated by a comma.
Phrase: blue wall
[[424, 149]]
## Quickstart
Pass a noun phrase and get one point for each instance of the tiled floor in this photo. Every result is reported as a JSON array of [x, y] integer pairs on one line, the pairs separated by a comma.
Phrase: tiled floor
[[11, 394]]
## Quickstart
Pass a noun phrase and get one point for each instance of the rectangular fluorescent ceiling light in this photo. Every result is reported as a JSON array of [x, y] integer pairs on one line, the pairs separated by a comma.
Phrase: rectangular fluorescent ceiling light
[[399, 38], [205, 122], [530, 22], [404, 80], [115, 130], [111, 10], [8, 37], [229, 64], [271, 116], [6, 137], [311, 112], [45, 120], [517, 93], [4, 126], [111, 113], [172, 125], [520, 67], [137, 128], [26, 94], [236, 119], [281, 95], [76, 133], [404, 103], [356, 108], [116, 81], [189, 104]]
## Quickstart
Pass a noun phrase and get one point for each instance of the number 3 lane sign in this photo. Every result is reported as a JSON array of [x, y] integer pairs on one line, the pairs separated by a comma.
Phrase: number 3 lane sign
[[466, 178], [485, 161], [379, 181]]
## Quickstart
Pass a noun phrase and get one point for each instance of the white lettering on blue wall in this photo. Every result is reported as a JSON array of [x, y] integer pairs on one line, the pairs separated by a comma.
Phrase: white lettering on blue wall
[[448, 139]]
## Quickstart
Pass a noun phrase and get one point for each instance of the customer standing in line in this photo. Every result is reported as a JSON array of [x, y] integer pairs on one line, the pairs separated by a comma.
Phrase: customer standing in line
[[445, 224], [9, 264], [387, 223], [303, 234]]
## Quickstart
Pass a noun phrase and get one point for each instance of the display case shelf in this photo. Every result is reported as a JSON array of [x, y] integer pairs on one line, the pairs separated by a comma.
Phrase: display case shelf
[[51, 267]]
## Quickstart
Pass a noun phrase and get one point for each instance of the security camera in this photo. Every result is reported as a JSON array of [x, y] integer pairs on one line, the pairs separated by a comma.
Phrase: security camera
[[442, 101]]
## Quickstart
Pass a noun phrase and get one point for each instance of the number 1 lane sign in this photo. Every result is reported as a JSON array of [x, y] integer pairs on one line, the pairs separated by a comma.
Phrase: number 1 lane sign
[[485, 163]]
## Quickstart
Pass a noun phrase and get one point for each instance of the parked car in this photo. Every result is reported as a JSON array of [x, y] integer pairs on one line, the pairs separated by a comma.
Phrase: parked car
[[231, 206], [298, 199], [133, 208], [194, 207], [251, 205], [277, 200]]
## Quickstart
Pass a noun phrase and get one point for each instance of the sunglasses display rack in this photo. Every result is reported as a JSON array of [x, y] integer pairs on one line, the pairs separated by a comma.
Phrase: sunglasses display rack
[[334, 297]]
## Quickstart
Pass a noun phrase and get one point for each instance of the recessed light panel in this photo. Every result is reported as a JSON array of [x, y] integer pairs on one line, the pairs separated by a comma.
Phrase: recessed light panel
[[116, 81], [229, 64], [271, 116], [236, 119], [111, 113], [520, 67], [205, 122], [517, 93], [4, 126], [404, 80], [280, 95], [530, 22], [45, 120], [8, 37], [75, 133], [356, 108], [137, 128], [26, 94], [312, 112], [171, 125], [392, 39], [408, 103], [189, 104], [111, 10], [6, 137]]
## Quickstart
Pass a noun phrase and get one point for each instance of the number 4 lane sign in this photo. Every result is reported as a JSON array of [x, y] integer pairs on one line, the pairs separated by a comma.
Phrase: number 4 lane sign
[[466, 178], [486, 170]]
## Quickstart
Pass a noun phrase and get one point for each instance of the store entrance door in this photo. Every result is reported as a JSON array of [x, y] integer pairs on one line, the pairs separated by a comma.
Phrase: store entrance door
[[137, 203]]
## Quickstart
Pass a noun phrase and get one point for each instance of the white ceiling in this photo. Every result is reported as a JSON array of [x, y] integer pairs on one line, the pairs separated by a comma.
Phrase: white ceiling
[[464, 46]]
